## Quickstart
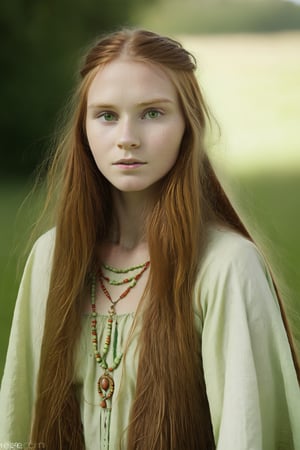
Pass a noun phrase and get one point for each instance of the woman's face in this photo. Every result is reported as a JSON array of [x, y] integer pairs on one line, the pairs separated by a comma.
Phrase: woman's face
[[134, 124]]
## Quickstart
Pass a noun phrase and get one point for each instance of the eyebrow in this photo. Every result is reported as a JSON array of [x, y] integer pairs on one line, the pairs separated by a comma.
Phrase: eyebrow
[[143, 104], [155, 101]]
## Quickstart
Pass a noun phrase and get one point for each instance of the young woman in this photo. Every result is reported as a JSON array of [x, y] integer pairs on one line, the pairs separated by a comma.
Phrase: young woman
[[146, 318]]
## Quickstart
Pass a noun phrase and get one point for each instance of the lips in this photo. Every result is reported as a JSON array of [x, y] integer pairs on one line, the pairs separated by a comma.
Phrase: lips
[[128, 162]]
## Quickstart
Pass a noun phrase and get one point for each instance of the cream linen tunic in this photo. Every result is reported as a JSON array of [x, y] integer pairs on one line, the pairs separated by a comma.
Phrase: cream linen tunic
[[251, 383]]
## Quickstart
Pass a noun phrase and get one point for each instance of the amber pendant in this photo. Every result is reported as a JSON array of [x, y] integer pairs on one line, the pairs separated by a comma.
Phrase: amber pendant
[[106, 387]]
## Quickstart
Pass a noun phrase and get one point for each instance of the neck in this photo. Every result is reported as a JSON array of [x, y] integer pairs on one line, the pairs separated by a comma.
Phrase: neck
[[131, 210]]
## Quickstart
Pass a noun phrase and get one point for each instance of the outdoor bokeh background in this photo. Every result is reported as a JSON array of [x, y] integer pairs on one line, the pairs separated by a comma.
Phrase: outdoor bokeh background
[[249, 67]]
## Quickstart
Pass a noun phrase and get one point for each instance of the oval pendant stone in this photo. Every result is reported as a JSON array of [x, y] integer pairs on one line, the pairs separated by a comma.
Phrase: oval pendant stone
[[106, 387], [104, 383]]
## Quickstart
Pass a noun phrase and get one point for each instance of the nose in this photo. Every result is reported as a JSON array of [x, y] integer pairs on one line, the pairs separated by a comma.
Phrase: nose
[[127, 145], [128, 138]]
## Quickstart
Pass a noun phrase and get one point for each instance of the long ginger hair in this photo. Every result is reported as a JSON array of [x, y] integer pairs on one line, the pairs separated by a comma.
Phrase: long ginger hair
[[191, 199]]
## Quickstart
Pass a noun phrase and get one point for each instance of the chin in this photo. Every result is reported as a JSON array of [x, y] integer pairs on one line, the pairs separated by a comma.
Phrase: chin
[[137, 188], [130, 189]]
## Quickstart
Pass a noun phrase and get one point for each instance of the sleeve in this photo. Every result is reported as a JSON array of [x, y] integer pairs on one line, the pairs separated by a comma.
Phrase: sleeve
[[17, 392], [250, 377]]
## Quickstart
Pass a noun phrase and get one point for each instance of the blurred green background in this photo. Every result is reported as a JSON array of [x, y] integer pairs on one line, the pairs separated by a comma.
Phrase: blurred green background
[[249, 67]]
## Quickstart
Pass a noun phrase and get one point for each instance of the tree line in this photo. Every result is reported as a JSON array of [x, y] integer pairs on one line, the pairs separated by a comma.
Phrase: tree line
[[40, 43]]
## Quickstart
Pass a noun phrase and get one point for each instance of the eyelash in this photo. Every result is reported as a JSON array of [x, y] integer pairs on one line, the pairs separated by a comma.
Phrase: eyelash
[[151, 110], [114, 116], [107, 113]]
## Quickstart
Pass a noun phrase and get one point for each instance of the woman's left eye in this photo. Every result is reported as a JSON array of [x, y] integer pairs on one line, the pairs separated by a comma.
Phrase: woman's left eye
[[152, 114], [107, 116]]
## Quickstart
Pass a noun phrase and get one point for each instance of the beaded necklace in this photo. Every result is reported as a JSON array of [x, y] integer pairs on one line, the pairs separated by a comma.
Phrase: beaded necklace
[[106, 385]]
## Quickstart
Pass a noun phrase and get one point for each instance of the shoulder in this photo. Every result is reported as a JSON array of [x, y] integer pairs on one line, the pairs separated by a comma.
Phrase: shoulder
[[39, 261], [232, 269], [228, 246], [34, 286], [45, 242], [227, 250], [44, 245]]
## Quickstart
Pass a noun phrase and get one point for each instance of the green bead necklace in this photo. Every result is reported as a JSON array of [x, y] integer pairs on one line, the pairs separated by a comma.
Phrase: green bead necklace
[[106, 383], [130, 269]]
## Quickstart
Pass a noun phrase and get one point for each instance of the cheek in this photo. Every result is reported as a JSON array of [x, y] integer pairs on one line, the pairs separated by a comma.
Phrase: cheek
[[90, 135], [170, 136], [94, 144], [172, 142], [167, 152], [94, 132]]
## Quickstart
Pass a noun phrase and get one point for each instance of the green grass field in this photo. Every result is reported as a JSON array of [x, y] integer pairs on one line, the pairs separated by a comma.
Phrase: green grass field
[[252, 85]]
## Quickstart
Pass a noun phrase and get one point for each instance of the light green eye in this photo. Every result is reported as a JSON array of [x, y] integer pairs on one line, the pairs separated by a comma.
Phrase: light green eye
[[108, 116], [152, 114]]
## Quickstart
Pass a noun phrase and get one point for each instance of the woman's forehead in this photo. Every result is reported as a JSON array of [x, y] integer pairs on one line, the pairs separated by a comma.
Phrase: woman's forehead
[[129, 76]]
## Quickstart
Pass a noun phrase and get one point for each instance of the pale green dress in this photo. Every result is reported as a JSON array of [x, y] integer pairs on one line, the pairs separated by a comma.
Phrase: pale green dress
[[251, 383]]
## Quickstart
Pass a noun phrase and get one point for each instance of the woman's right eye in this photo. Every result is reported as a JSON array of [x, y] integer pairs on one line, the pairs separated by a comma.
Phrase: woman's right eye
[[107, 116]]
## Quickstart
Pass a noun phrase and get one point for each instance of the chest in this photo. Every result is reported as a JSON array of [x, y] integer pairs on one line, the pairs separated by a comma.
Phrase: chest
[[125, 297]]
